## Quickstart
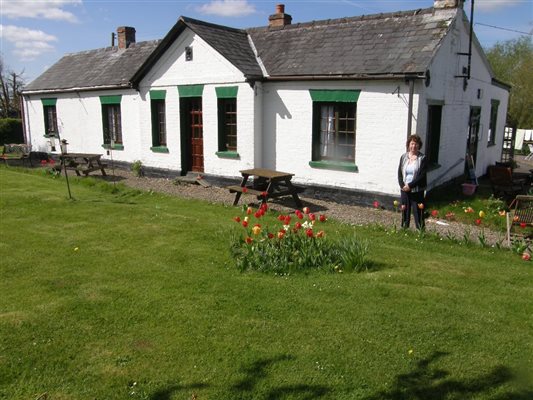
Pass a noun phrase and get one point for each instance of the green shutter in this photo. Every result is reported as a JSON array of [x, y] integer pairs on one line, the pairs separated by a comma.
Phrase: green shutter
[[190, 90], [341, 96], [227, 92], [49, 102], [111, 99], [494, 102], [158, 94]]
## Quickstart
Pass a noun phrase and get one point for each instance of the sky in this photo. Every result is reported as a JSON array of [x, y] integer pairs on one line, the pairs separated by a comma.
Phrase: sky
[[35, 34]]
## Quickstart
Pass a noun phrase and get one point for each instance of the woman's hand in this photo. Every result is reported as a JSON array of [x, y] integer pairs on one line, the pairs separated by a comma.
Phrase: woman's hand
[[406, 188]]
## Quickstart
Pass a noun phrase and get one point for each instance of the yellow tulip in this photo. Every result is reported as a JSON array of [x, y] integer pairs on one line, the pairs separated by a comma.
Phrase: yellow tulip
[[481, 214], [256, 230]]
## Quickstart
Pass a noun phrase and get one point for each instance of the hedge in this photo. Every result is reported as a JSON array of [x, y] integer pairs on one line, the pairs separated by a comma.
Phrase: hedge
[[11, 131]]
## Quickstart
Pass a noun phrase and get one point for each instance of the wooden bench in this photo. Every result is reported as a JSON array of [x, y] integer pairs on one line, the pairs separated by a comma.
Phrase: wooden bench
[[16, 151], [503, 183], [245, 190], [521, 214]]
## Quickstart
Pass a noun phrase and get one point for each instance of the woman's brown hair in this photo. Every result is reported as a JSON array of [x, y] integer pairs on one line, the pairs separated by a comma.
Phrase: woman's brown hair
[[414, 138]]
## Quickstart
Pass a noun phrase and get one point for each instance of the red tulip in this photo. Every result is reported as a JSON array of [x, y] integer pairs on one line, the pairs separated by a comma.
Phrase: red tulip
[[237, 219], [245, 223], [434, 213], [270, 235], [299, 215], [309, 233], [258, 214], [421, 206], [376, 204], [322, 218], [526, 256], [244, 190], [523, 225], [306, 210], [249, 210], [297, 225], [281, 217], [320, 234], [312, 217], [43, 162], [264, 194], [281, 233], [248, 240], [287, 220], [478, 221], [51, 161]]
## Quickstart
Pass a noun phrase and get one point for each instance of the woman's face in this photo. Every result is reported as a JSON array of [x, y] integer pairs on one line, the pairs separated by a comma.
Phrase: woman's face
[[413, 146]]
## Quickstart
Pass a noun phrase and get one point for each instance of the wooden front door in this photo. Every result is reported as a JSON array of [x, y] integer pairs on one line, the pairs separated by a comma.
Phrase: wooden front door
[[196, 135], [192, 138]]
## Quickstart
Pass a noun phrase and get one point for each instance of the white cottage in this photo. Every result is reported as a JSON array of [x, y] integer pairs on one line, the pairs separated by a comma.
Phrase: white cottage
[[330, 101]]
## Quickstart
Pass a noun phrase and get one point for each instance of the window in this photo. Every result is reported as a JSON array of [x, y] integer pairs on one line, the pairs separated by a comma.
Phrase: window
[[336, 136], [227, 121], [433, 133], [159, 131], [493, 122], [50, 117], [111, 121], [334, 129], [227, 125]]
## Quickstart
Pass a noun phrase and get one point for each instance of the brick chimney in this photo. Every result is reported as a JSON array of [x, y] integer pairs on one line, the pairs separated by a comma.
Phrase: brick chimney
[[126, 36], [448, 4], [279, 18]]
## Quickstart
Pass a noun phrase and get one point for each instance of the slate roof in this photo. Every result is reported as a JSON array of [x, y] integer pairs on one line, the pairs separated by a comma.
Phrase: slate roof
[[381, 44], [392, 44], [94, 68], [232, 43]]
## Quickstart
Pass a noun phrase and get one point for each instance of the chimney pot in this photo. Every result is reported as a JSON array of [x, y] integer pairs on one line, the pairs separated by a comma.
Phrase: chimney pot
[[279, 19]]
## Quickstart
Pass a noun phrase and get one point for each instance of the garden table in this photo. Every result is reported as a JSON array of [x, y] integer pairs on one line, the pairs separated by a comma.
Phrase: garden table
[[267, 184], [83, 163]]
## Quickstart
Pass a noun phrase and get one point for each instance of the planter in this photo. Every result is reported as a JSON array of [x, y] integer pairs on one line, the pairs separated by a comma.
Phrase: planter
[[469, 189]]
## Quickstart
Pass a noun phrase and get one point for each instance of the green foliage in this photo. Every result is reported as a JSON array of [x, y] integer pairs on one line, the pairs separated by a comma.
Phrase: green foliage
[[512, 62], [137, 168], [11, 131], [298, 243], [130, 295]]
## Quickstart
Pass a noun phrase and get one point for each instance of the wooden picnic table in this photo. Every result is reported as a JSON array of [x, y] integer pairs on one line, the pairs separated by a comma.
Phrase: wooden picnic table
[[83, 163], [267, 184]]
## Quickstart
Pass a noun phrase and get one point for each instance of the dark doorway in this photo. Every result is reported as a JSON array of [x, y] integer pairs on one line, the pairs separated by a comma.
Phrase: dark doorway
[[192, 136]]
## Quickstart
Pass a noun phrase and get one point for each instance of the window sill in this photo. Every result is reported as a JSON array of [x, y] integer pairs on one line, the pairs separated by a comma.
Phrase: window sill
[[114, 147], [334, 165], [51, 136], [490, 144], [228, 154], [159, 149]]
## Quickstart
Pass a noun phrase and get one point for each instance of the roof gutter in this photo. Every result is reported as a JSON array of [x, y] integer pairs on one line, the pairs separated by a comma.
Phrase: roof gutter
[[78, 89], [358, 77]]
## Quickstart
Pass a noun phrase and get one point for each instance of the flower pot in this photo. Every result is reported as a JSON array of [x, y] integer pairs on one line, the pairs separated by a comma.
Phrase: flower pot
[[469, 189]]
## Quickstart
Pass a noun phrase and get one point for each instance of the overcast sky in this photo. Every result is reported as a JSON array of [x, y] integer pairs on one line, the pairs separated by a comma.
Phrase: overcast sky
[[35, 34]]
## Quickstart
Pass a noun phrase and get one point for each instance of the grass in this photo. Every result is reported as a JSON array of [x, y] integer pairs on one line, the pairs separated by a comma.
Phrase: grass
[[126, 294]]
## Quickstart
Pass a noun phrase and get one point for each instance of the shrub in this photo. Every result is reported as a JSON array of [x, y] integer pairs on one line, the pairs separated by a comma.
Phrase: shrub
[[298, 243], [137, 168], [11, 131]]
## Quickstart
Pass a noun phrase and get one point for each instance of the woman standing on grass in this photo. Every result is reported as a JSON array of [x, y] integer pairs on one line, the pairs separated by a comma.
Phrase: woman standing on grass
[[412, 178]]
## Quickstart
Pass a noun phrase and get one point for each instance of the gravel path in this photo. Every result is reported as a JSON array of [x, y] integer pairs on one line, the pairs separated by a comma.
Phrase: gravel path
[[351, 214]]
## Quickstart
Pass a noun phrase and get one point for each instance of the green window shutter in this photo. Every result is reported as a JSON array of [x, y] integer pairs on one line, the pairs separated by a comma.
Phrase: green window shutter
[[227, 92], [190, 90], [495, 103], [111, 99], [341, 96], [158, 94], [49, 102]]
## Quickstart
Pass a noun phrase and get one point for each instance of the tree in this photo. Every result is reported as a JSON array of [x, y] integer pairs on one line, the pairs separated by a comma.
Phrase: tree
[[11, 84], [512, 63]]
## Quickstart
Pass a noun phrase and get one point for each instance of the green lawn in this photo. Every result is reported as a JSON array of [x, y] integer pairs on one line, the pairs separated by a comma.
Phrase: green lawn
[[132, 295]]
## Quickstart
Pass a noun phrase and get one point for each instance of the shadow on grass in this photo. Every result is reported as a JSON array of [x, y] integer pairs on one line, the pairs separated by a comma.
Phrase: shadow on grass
[[168, 392], [257, 371], [427, 382]]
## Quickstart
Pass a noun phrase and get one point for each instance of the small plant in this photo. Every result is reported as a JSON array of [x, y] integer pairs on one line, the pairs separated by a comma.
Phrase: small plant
[[299, 243], [137, 168]]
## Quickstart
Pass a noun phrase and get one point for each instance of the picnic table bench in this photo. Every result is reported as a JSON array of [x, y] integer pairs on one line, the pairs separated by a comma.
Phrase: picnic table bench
[[267, 184], [83, 163], [15, 151]]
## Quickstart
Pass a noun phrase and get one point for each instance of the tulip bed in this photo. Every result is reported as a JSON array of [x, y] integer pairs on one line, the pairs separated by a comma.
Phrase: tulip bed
[[126, 294]]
